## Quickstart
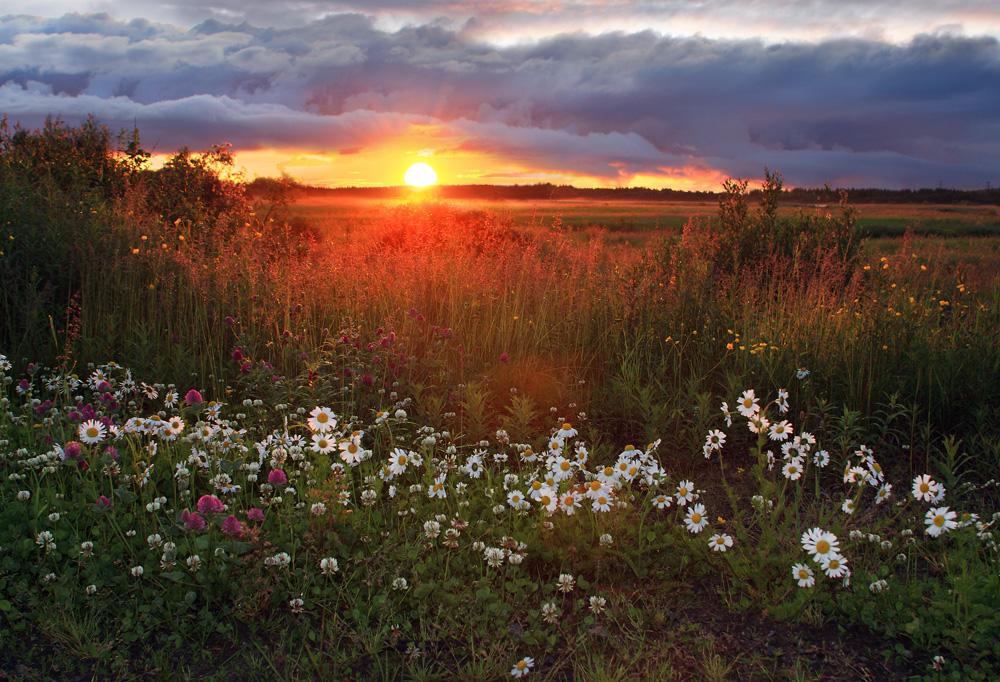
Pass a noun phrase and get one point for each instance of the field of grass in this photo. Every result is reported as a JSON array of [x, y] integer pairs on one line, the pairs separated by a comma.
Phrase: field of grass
[[419, 440]]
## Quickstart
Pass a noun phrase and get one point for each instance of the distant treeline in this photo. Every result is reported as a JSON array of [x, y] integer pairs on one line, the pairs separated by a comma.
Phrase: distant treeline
[[264, 186]]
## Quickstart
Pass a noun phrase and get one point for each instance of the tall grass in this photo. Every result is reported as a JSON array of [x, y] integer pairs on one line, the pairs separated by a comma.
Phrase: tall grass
[[174, 269]]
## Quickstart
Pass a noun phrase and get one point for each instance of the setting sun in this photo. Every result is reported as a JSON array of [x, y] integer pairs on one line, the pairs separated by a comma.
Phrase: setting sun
[[420, 175]]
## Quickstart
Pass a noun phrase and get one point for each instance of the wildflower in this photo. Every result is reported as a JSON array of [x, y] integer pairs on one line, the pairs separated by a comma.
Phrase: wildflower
[[90, 590], [436, 489], [297, 605], [715, 440], [522, 667], [835, 566], [780, 430], [801, 373], [494, 556], [940, 520], [695, 519], [884, 493], [399, 584], [45, 540], [821, 458], [758, 423], [193, 397], [727, 414], [565, 583], [566, 431], [550, 613], [685, 493], [321, 444], [598, 605], [154, 540], [233, 527], [804, 575], [782, 401], [878, 586], [820, 543], [277, 477], [938, 662], [662, 501], [432, 529], [925, 488], [747, 404], [23, 495], [848, 506], [606, 540], [515, 498], [317, 509], [602, 502], [720, 542], [210, 504], [792, 470], [92, 432], [398, 461], [72, 450], [192, 520], [328, 566], [547, 498], [569, 502], [351, 452], [86, 549], [321, 420], [137, 571], [255, 514]]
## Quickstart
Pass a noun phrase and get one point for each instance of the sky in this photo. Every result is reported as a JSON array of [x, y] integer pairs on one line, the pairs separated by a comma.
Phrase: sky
[[658, 93]]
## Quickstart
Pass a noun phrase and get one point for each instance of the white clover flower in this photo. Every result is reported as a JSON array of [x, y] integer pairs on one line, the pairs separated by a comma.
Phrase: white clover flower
[[23, 495], [90, 590], [328, 566], [597, 605], [137, 571], [399, 584], [606, 540], [45, 540], [432, 529], [317, 509], [193, 563], [565, 583]]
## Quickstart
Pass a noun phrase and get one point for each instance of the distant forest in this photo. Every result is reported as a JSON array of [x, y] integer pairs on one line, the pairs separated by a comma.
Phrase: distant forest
[[799, 195]]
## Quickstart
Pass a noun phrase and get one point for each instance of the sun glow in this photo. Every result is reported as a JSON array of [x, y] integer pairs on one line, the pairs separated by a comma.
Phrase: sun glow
[[420, 175]]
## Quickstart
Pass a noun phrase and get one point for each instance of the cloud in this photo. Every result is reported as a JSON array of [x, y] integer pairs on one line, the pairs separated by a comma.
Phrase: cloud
[[845, 111]]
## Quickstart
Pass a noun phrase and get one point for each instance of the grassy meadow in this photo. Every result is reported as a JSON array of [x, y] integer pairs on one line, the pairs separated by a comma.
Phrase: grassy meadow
[[297, 438]]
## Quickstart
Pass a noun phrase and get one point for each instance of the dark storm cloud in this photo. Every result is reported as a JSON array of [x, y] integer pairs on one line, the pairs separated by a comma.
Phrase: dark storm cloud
[[842, 111]]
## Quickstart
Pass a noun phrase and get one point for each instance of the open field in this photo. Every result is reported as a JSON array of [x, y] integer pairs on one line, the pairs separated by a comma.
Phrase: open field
[[643, 219], [270, 440]]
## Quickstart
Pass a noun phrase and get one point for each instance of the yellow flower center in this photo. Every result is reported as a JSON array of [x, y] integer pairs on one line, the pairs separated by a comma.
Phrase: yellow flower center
[[595, 485], [803, 574], [924, 487], [567, 426], [545, 500], [536, 485], [522, 664], [564, 465], [602, 500], [568, 500], [682, 491], [696, 518], [321, 417], [401, 459], [92, 432], [939, 520], [822, 547], [747, 402]]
